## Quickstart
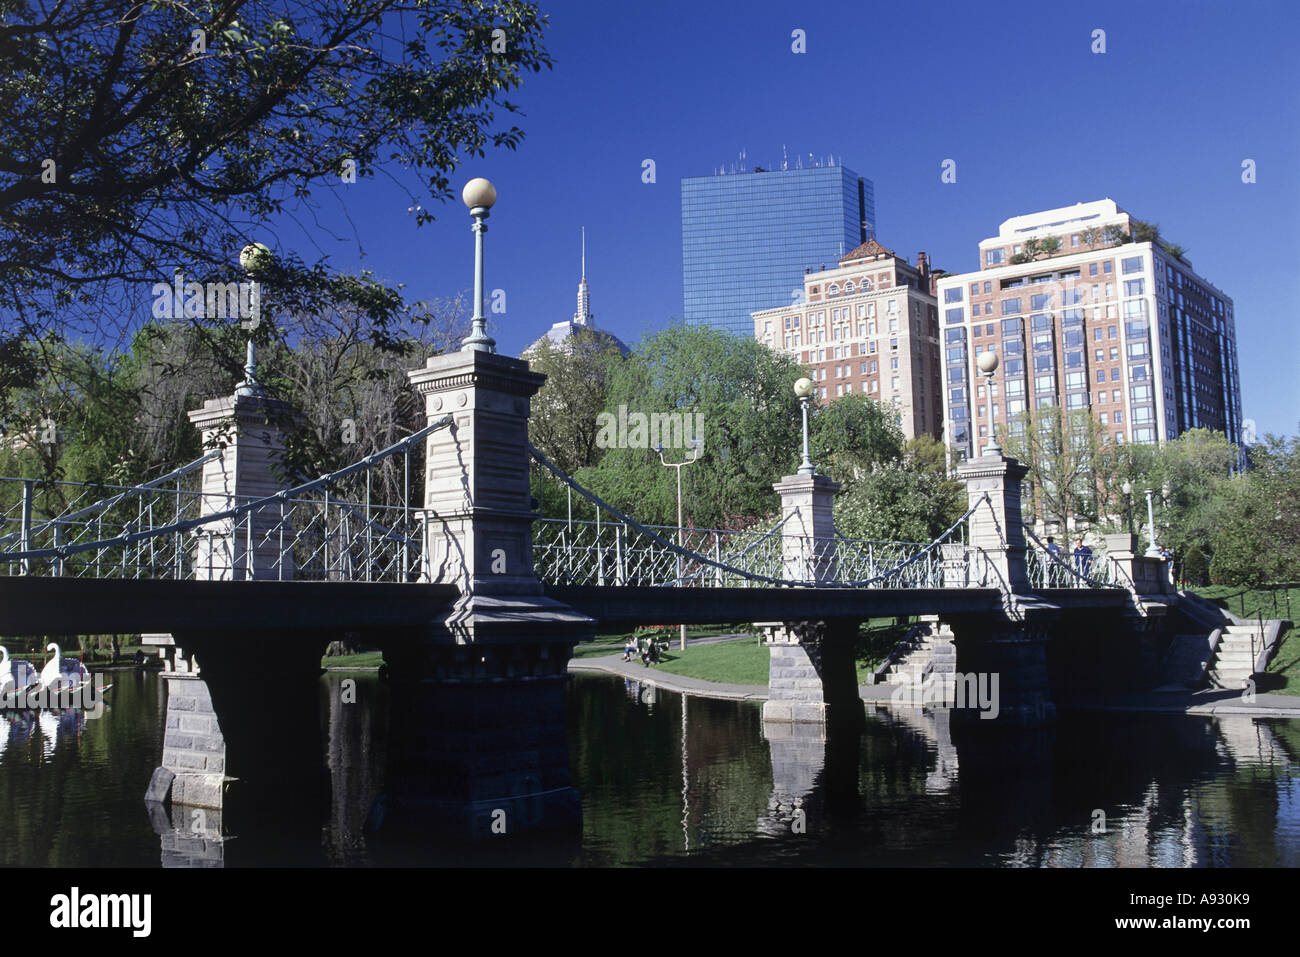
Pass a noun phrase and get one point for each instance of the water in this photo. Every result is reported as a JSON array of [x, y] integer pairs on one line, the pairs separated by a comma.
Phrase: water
[[1174, 790]]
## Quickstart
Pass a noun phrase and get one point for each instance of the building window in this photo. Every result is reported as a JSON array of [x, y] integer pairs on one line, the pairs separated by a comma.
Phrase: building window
[[1101, 373], [1074, 239], [1104, 418], [1119, 416], [1010, 306], [1134, 287], [993, 257], [1092, 269], [1131, 264], [1107, 266], [1038, 302], [952, 294]]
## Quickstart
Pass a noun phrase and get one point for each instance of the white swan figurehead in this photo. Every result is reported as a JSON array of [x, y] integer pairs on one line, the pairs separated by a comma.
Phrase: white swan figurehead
[[50, 673]]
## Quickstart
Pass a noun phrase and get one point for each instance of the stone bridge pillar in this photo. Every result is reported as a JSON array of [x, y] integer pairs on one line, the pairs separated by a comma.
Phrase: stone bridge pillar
[[248, 428], [998, 530], [478, 741], [812, 675], [1006, 650], [808, 535]]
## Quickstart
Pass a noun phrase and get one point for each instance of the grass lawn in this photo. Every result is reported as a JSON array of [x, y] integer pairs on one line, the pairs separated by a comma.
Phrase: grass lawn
[[1285, 667], [1266, 602], [745, 662], [367, 659], [741, 662]]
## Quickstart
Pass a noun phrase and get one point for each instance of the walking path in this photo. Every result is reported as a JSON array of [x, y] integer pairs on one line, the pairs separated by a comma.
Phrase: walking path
[[1210, 701]]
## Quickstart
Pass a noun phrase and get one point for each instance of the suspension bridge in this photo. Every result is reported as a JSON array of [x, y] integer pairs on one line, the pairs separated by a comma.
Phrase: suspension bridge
[[441, 551]]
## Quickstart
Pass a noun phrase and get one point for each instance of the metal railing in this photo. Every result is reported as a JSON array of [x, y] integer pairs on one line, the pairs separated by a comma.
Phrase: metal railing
[[309, 532], [614, 549], [1045, 569]]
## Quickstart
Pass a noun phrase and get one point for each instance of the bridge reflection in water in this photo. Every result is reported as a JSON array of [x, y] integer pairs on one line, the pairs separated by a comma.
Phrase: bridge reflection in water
[[672, 780]]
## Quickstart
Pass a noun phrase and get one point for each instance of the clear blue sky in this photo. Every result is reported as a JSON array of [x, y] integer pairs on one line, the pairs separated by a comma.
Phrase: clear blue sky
[[1160, 122]]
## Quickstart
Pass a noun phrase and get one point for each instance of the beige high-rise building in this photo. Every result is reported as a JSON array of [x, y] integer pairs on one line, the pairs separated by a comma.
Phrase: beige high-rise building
[[1082, 316], [868, 325]]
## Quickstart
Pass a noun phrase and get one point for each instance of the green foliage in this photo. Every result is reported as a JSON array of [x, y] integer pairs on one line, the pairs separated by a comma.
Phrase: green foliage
[[852, 435], [1064, 452], [563, 423], [1144, 232], [743, 391], [141, 139], [1195, 570], [1256, 538], [897, 503]]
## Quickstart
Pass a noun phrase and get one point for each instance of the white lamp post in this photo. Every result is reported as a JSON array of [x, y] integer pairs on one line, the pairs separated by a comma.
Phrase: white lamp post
[[252, 258], [697, 446], [988, 364], [479, 195], [1127, 488], [804, 390], [1152, 550]]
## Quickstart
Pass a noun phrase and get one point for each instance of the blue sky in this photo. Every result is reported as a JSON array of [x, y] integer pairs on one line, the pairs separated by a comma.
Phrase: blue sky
[[1160, 122]]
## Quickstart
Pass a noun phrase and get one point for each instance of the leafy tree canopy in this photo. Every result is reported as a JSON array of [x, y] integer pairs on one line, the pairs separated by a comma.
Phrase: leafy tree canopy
[[146, 138]]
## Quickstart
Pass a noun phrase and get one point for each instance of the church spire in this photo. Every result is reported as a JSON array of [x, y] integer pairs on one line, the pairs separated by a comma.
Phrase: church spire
[[583, 316]]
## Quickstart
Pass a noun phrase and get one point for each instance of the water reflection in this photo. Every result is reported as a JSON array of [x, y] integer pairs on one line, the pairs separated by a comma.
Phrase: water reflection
[[667, 780]]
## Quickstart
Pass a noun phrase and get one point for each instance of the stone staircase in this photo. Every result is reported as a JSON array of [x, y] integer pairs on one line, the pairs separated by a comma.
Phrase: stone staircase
[[925, 659], [1236, 656]]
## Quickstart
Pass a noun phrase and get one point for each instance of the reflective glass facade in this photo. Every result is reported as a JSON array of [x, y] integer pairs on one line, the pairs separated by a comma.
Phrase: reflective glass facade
[[747, 237]]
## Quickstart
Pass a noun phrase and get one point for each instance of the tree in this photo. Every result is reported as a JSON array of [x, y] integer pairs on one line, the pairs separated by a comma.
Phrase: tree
[[1114, 235], [744, 393], [1190, 476], [1062, 451], [1050, 245], [1144, 232], [1257, 538], [146, 138], [899, 504], [564, 425], [853, 434]]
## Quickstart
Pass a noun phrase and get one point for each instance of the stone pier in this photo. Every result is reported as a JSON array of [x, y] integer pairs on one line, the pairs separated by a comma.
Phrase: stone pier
[[1010, 646], [478, 744]]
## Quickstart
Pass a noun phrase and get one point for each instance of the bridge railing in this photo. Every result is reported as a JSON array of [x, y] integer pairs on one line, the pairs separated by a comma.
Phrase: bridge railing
[[1093, 570], [309, 532], [620, 553]]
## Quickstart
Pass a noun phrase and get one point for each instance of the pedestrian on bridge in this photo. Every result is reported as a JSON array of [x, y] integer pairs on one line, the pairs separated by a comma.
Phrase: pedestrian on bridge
[[1082, 558], [1053, 570]]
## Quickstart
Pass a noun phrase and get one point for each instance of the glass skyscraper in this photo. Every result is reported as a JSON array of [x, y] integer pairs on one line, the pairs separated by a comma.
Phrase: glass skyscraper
[[747, 237]]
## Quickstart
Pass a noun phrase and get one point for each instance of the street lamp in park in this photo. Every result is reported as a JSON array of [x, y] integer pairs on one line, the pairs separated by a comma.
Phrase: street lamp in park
[[804, 390], [697, 445], [1127, 488], [479, 195], [988, 363], [1153, 551]]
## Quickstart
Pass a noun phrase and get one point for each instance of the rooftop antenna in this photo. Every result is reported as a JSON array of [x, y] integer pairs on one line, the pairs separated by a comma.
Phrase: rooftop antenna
[[584, 252], [785, 160]]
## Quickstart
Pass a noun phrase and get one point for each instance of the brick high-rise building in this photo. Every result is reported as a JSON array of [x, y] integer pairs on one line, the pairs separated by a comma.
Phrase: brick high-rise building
[[1083, 317], [869, 325]]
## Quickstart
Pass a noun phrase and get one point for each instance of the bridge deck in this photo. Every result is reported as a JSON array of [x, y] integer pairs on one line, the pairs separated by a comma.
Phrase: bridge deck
[[89, 606], [672, 606]]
